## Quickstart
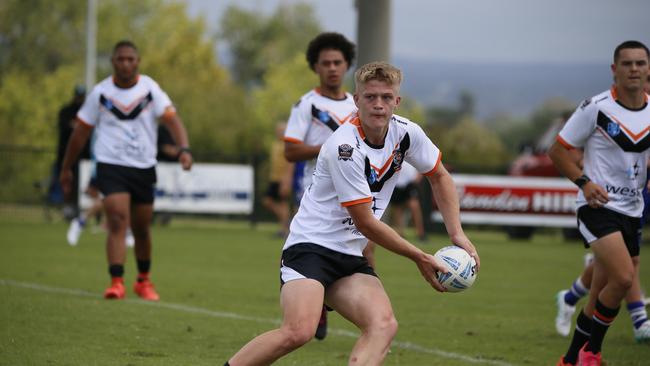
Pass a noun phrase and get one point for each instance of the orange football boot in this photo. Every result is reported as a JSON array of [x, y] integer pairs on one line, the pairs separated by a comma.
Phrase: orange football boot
[[145, 289], [116, 290]]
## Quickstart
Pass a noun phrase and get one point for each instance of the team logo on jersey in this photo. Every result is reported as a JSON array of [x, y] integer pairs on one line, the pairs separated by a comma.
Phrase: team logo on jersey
[[324, 116], [398, 158], [345, 152], [613, 129], [372, 177]]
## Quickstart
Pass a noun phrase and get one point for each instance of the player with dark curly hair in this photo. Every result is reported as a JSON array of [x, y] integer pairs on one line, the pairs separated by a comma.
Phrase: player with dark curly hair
[[320, 112]]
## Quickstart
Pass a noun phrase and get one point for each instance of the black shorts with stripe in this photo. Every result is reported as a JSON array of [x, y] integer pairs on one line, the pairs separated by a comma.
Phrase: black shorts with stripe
[[139, 183], [307, 260], [595, 223]]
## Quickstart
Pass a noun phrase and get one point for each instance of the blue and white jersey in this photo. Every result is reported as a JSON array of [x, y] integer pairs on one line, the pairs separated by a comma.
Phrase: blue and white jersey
[[313, 119], [615, 140]]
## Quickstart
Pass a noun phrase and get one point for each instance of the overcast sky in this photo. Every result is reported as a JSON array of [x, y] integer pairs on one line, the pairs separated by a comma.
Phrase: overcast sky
[[547, 31]]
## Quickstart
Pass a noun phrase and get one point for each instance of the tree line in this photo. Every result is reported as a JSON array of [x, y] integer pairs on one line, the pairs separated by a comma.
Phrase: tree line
[[230, 111]]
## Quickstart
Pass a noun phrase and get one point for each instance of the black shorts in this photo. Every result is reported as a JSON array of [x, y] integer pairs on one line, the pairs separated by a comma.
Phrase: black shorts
[[307, 260], [595, 223], [403, 194], [93, 182], [273, 191], [139, 183]]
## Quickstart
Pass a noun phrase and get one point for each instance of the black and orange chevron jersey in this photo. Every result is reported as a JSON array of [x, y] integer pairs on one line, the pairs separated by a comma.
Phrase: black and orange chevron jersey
[[126, 121], [314, 118], [350, 171], [615, 140]]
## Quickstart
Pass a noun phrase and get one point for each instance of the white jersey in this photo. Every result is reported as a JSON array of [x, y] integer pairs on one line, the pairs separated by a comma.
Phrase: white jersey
[[615, 141], [312, 121], [408, 174], [126, 121], [350, 171]]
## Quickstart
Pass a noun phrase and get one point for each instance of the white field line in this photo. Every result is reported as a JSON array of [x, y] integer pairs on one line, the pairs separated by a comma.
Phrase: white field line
[[222, 314]]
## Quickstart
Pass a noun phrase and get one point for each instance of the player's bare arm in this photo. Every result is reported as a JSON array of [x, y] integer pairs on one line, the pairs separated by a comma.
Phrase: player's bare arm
[[444, 192], [78, 139], [565, 162], [384, 235], [294, 151], [179, 134]]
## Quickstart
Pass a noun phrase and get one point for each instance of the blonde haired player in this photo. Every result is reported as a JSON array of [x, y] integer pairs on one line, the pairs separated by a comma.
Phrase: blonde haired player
[[322, 259]]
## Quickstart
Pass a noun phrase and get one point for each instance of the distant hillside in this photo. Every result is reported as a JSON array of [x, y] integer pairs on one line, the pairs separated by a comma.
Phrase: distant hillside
[[515, 89]]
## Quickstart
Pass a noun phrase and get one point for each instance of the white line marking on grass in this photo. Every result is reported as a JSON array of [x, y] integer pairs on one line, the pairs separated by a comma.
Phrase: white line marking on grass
[[222, 314]]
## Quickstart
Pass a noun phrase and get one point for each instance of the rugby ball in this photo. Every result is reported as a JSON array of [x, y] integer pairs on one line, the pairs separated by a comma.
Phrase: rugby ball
[[461, 268]]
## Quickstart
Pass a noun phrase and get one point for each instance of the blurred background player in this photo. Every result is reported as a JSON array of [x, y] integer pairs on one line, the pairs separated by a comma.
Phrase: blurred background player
[[124, 109], [169, 152], [320, 111], [610, 128], [66, 123], [406, 196], [278, 193]]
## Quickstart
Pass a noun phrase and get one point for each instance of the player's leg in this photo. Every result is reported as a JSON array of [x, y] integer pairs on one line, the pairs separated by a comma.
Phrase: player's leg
[[116, 206], [284, 215], [78, 224], [279, 206], [566, 300], [397, 217], [361, 299], [141, 216], [301, 302], [416, 214], [141, 185], [582, 331], [636, 307], [613, 258]]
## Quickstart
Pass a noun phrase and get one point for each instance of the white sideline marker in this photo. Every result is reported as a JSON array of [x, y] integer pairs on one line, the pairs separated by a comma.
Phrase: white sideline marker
[[222, 314]]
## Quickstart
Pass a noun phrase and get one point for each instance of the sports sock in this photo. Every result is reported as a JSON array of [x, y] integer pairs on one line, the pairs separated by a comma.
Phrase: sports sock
[[143, 268], [580, 336], [602, 319], [116, 270], [576, 292], [638, 314]]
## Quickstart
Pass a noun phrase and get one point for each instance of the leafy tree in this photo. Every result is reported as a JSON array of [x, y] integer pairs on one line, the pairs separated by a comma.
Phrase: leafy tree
[[282, 86], [469, 147], [517, 133], [40, 36], [257, 41]]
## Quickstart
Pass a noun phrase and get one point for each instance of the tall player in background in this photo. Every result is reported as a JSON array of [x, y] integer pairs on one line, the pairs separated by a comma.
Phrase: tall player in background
[[320, 111], [124, 110], [612, 128]]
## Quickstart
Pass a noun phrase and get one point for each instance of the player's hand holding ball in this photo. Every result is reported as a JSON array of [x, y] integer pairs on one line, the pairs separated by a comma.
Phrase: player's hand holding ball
[[461, 268]]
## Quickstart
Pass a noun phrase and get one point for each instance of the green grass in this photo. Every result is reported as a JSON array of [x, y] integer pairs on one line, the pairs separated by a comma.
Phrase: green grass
[[219, 287]]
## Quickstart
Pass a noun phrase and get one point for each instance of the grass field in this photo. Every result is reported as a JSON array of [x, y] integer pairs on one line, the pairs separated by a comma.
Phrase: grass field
[[219, 287]]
